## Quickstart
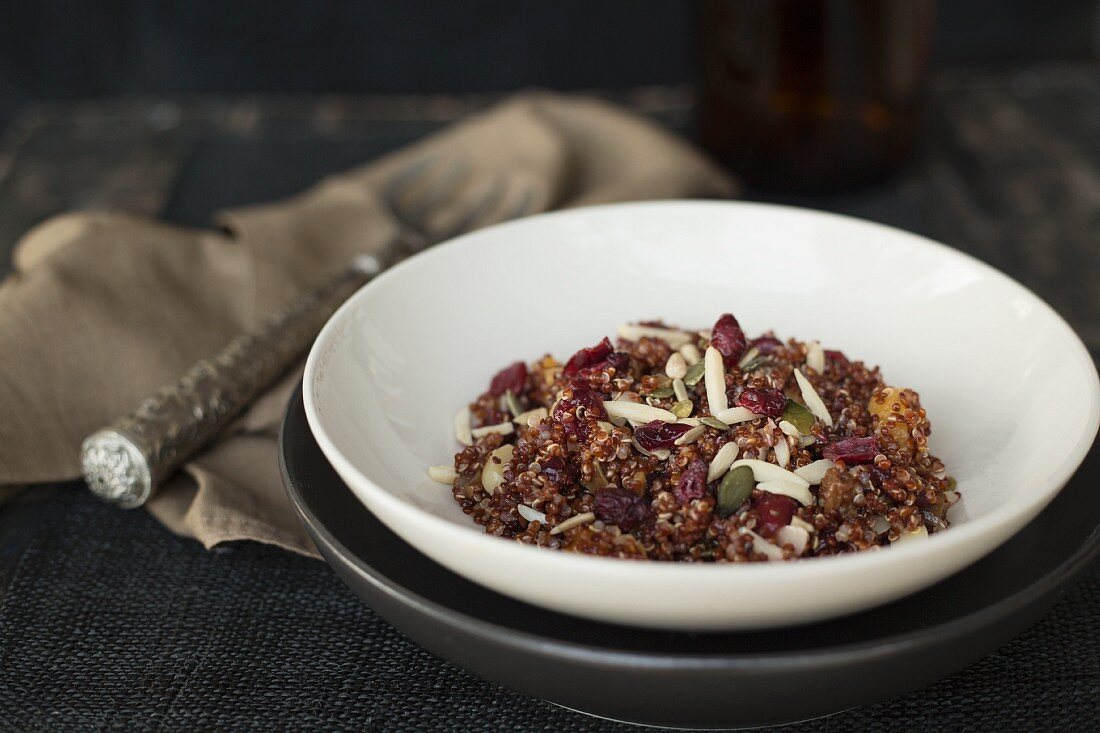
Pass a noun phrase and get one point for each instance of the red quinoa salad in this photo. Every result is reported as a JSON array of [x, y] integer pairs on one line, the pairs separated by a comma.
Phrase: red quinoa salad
[[699, 446]]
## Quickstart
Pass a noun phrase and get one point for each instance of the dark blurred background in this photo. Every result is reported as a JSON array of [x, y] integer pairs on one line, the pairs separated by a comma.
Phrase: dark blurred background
[[52, 49]]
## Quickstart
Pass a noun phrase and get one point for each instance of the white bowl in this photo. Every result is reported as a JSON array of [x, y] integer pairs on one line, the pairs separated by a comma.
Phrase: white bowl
[[1011, 391]]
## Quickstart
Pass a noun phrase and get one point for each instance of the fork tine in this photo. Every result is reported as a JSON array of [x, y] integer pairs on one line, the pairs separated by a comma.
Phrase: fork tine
[[524, 204], [486, 202], [409, 176], [417, 207]]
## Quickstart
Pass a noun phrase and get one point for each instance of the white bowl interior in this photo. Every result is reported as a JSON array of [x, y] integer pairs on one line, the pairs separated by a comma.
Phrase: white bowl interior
[[1011, 392]]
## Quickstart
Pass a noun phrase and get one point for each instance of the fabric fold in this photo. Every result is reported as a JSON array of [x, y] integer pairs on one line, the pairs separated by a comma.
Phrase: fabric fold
[[104, 308]]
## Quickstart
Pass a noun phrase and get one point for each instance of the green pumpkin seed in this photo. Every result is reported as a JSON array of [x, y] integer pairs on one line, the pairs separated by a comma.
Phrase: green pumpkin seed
[[757, 363], [661, 393], [713, 422], [951, 483], [799, 416], [694, 374], [735, 488], [683, 408]]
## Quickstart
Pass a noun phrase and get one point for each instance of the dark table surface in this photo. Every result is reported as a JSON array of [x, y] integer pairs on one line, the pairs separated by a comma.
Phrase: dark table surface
[[109, 622]]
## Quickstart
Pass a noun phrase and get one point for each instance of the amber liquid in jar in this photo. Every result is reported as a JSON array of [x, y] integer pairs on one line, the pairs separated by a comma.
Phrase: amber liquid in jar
[[812, 95]]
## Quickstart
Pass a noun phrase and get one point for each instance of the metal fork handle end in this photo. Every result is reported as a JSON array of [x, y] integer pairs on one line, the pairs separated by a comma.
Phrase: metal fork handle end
[[126, 462]]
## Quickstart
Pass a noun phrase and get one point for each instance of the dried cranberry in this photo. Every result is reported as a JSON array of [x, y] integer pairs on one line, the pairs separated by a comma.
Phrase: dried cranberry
[[837, 356], [620, 507], [588, 357], [693, 482], [573, 397], [512, 378], [766, 344], [620, 361], [773, 511], [657, 434], [852, 450], [728, 338], [763, 400]]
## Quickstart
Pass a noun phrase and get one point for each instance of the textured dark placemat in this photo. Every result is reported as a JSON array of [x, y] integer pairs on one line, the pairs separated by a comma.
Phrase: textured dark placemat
[[111, 623]]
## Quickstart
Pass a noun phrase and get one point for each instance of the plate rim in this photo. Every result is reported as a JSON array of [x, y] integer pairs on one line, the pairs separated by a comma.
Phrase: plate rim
[[787, 660]]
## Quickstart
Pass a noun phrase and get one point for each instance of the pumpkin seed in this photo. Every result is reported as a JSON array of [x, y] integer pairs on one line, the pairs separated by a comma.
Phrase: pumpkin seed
[[713, 422], [682, 409], [694, 374], [754, 364], [735, 488], [799, 416], [951, 483], [749, 357], [661, 393]]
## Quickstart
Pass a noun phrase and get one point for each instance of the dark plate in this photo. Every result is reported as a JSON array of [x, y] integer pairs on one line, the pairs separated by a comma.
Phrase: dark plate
[[694, 680]]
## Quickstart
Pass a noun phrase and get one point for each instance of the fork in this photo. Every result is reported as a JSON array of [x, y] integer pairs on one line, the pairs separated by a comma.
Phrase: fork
[[127, 461]]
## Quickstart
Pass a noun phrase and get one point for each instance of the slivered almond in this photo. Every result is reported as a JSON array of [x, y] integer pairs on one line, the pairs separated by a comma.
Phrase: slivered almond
[[671, 336], [714, 376], [812, 399], [815, 357], [691, 354], [531, 417], [574, 521], [761, 545], [531, 515], [789, 429], [722, 461], [801, 494], [782, 452], [690, 436], [764, 471], [443, 474], [793, 535], [680, 390], [462, 426], [734, 415], [920, 534], [814, 472], [492, 473], [504, 428], [800, 522], [637, 412]]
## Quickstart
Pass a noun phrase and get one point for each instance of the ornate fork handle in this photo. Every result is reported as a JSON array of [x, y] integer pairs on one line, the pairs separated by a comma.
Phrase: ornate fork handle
[[125, 462]]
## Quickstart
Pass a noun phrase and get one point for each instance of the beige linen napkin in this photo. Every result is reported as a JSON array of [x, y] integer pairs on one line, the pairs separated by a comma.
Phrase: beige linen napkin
[[103, 308]]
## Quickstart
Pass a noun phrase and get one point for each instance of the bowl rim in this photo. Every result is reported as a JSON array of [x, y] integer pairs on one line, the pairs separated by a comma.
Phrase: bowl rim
[[445, 530]]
